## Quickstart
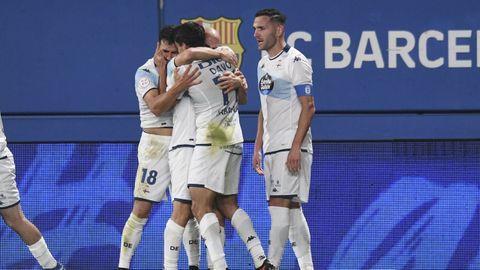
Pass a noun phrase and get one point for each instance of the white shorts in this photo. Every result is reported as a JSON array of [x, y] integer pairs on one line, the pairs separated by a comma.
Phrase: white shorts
[[179, 161], [217, 169], [9, 195], [281, 183], [153, 174]]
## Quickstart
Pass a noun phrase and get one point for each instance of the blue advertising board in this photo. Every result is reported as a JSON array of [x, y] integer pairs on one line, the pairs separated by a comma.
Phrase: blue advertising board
[[377, 205]]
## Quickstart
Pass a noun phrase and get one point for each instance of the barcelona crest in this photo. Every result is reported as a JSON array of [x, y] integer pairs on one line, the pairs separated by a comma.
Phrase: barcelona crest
[[228, 30]]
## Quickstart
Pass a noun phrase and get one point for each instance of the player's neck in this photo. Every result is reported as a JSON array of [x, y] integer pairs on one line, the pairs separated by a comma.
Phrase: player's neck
[[277, 49]]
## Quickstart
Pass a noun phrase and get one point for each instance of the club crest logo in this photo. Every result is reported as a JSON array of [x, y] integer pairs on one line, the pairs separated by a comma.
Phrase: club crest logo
[[228, 30]]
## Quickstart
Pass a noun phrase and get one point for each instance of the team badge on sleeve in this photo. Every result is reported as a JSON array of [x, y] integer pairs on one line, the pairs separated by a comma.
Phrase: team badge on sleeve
[[143, 82]]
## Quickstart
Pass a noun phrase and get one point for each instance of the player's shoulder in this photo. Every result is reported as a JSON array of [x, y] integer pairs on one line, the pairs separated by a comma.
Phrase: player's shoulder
[[296, 55], [146, 68]]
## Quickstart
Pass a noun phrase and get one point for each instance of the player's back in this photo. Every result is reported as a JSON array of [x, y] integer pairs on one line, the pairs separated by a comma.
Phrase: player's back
[[216, 113]]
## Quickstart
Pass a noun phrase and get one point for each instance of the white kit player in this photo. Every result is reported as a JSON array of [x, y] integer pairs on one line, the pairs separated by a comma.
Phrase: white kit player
[[180, 153], [214, 171], [12, 213], [153, 174], [285, 88]]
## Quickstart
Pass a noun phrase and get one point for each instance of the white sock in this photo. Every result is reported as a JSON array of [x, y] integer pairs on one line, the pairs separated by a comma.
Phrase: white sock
[[191, 242], [280, 217], [299, 235], [172, 240], [244, 227], [222, 238], [131, 235], [40, 251], [209, 229]]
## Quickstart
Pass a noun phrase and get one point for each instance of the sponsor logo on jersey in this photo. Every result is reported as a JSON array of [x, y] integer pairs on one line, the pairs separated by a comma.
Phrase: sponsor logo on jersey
[[228, 30], [266, 84]]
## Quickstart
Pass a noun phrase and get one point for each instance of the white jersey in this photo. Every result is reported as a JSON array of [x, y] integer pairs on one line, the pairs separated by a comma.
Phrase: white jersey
[[281, 80], [146, 78], [3, 139], [216, 113], [183, 132]]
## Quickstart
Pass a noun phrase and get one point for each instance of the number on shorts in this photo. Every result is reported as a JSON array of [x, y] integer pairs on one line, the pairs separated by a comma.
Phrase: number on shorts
[[151, 178]]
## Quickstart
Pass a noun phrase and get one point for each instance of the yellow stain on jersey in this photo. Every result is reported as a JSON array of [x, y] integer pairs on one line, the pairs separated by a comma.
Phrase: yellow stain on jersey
[[220, 136], [228, 30]]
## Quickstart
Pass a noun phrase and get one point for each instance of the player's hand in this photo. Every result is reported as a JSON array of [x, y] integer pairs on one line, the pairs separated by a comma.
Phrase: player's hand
[[229, 82], [228, 55], [159, 59], [187, 79], [257, 162], [239, 74], [293, 160]]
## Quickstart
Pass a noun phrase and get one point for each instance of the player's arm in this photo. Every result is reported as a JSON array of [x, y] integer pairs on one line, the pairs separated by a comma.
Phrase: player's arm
[[235, 82], [301, 72], [257, 150], [204, 53], [161, 102], [304, 122]]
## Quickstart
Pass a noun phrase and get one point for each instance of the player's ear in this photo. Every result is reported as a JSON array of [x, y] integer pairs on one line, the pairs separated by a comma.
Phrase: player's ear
[[280, 30]]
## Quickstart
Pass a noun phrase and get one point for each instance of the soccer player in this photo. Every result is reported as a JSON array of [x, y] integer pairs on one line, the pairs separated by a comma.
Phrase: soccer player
[[181, 148], [12, 213], [287, 108], [215, 166], [153, 175]]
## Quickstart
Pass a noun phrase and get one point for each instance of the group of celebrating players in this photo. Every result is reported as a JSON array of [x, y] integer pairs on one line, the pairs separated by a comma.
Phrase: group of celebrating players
[[189, 94]]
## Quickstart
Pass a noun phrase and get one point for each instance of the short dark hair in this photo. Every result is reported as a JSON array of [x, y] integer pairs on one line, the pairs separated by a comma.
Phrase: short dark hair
[[274, 14], [190, 33], [166, 33]]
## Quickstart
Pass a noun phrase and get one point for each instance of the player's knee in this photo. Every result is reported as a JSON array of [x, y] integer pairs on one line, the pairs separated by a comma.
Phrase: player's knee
[[198, 210], [181, 215], [228, 209]]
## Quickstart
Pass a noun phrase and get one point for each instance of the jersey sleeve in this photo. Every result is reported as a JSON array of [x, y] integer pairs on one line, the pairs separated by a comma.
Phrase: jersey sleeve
[[170, 75], [145, 81], [301, 71]]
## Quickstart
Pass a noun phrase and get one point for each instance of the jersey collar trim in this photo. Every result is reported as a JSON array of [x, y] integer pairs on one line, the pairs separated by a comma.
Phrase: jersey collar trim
[[285, 49]]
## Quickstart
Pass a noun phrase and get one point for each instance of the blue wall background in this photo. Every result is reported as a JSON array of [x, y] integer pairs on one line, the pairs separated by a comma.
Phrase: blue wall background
[[377, 205], [68, 67]]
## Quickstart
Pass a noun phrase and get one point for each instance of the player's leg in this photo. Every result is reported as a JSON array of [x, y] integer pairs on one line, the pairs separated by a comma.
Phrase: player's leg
[[133, 230], [221, 221], [280, 223], [299, 233], [202, 202], [204, 185], [31, 236], [228, 205], [191, 242], [299, 236], [281, 187], [173, 234], [181, 224], [243, 225], [13, 216], [151, 183]]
